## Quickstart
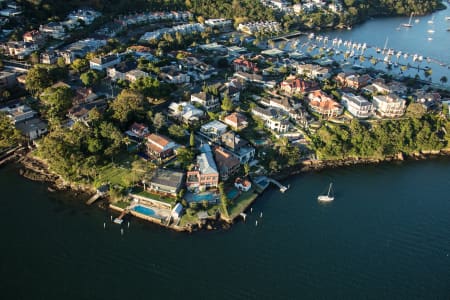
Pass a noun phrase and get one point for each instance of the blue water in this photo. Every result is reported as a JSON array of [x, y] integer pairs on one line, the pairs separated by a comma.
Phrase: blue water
[[385, 236], [232, 194], [145, 210], [202, 197]]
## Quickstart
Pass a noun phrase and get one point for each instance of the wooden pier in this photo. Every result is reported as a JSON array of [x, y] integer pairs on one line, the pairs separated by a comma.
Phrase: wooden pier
[[93, 199], [119, 219], [282, 187], [263, 182]]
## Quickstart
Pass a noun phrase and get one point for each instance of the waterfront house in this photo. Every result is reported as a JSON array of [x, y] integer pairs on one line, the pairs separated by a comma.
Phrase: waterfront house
[[18, 112], [238, 146], [206, 100], [236, 121], [313, 71], [293, 85], [353, 81], [213, 129], [242, 184], [323, 104], [389, 105], [204, 174], [177, 211], [103, 62], [428, 100], [357, 105], [166, 182], [160, 146], [252, 28], [32, 128], [227, 163], [185, 112], [377, 87]]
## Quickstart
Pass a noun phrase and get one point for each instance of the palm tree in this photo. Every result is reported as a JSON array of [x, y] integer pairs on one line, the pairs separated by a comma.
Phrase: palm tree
[[443, 79]]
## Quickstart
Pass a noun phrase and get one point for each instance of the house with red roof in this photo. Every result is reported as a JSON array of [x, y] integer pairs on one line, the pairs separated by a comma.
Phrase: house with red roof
[[293, 85], [241, 64], [323, 104], [160, 146], [236, 121]]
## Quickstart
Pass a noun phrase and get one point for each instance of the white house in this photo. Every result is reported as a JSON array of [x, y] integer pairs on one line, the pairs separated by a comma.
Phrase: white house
[[313, 71], [104, 62], [186, 112], [214, 129], [357, 105], [273, 119], [208, 101], [389, 105]]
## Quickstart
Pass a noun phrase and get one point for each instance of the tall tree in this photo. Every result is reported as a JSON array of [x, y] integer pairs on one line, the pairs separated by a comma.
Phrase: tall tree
[[159, 120], [127, 104], [9, 136], [56, 101], [227, 104]]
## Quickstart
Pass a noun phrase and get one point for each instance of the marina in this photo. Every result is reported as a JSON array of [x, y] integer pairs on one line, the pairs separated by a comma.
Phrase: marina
[[409, 51]]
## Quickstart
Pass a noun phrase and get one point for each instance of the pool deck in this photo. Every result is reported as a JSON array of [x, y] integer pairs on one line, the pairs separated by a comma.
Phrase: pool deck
[[149, 218]]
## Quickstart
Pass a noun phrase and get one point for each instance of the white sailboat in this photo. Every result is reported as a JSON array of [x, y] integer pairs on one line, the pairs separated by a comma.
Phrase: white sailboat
[[431, 21], [328, 197], [409, 23]]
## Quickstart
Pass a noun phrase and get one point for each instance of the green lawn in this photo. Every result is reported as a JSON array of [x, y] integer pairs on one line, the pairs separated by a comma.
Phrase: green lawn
[[242, 202], [122, 204], [186, 219], [141, 192], [120, 172]]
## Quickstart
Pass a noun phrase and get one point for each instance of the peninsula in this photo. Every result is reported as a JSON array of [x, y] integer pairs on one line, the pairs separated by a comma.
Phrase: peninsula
[[182, 116]]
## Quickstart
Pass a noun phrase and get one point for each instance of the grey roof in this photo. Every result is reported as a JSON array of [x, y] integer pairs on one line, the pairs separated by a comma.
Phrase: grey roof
[[206, 163], [168, 178]]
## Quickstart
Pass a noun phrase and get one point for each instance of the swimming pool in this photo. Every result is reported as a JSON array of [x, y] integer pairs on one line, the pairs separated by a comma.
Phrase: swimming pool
[[145, 210], [203, 197], [232, 193]]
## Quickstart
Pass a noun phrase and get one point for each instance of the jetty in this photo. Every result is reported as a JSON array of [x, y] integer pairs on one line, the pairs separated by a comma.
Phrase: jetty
[[101, 191], [279, 185], [119, 219], [93, 199], [262, 182]]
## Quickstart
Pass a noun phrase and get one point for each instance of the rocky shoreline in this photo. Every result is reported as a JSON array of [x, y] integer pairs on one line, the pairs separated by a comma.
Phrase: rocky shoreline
[[35, 169], [318, 165]]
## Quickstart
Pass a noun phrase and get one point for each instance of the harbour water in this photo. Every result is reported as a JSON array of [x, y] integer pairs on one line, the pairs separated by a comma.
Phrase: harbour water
[[386, 235], [429, 41]]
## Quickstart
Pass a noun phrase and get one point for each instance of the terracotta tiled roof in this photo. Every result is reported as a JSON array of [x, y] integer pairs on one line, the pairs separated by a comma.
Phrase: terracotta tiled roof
[[157, 142]]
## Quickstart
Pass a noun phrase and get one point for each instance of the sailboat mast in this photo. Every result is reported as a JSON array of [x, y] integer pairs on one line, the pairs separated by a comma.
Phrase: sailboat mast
[[329, 189]]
